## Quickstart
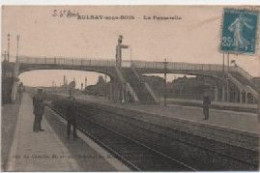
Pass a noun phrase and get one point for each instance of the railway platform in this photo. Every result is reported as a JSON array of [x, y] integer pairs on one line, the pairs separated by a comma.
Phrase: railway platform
[[47, 151], [226, 119]]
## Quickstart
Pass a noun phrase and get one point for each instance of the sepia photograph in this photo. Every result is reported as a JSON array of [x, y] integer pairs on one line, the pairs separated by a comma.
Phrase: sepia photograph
[[116, 88]]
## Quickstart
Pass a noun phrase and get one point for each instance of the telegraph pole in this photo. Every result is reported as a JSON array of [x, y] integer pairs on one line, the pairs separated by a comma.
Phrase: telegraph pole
[[17, 47], [165, 81], [8, 47], [4, 66], [16, 69], [5, 56]]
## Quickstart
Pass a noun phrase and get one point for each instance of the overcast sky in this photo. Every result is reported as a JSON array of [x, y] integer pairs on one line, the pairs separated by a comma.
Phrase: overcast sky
[[195, 38]]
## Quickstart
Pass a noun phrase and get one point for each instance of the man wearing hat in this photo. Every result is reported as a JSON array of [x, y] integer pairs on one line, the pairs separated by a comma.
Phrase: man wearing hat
[[38, 110], [71, 114], [206, 105]]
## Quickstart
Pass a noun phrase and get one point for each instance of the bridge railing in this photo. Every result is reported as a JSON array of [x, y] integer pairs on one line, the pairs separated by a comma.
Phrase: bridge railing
[[66, 61], [138, 64], [178, 66]]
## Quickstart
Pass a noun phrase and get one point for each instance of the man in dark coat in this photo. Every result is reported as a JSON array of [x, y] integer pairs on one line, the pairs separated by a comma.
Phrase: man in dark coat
[[71, 115], [20, 92], [38, 110], [206, 104]]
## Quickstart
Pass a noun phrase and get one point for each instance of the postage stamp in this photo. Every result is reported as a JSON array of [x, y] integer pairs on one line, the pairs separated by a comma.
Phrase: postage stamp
[[239, 31]]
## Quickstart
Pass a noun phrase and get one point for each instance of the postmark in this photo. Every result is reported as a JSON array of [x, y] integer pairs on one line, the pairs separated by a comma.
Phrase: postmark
[[239, 31]]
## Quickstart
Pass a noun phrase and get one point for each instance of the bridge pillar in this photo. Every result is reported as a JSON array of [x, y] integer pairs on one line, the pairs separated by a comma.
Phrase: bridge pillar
[[123, 98], [114, 92], [216, 93], [14, 91], [240, 96], [228, 93], [246, 98], [111, 91], [15, 84], [253, 100], [236, 96], [117, 92], [223, 96]]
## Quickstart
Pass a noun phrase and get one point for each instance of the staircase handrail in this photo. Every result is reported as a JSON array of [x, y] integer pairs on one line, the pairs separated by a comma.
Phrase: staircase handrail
[[242, 72], [253, 92], [135, 72], [247, 88], [147, 86], [151, 92], [236, 82], [128, 86], [132, 92]]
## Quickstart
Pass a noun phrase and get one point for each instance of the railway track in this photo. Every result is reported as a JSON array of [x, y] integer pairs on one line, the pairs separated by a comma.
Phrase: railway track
[[223, 156], [137, 156], [130, 140]]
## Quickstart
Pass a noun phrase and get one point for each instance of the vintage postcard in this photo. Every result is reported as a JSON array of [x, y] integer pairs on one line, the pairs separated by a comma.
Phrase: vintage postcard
[[130, 88]]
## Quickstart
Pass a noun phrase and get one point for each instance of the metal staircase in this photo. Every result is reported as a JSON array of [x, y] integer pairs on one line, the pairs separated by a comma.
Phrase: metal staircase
[[141, 88], [127, 85], [243, 86]]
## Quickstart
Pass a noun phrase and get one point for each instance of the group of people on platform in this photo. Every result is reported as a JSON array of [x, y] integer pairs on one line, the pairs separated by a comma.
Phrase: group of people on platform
[[38, 111]]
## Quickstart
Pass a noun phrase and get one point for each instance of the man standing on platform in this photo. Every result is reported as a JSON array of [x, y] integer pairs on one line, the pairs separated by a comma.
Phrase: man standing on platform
[[206, 104], [38, 110], [20, 92], [71, 115]]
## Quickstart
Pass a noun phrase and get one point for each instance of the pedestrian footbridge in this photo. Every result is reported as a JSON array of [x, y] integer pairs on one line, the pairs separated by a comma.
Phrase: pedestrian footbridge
[[231, 82]]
